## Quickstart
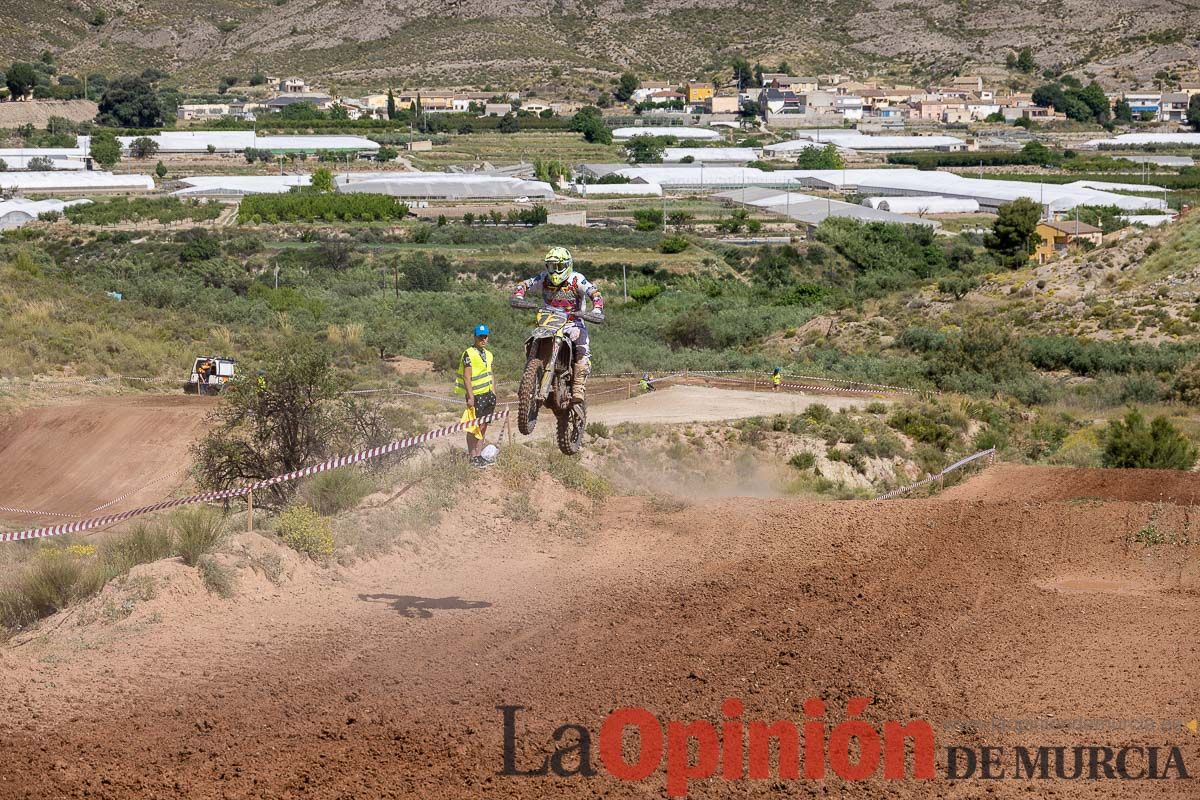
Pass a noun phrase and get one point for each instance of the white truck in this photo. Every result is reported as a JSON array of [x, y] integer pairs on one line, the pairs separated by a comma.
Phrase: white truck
[[209, 375]]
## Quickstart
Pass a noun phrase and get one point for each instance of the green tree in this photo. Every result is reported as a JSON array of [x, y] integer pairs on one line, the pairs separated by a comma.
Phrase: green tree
[[20, 79], [627, 84], [1025, 61], [1014, 233], [1131, 443], [105, 150], [386, 153], [814, 157], [143, 147], [743, 74], [160, 169], [590, 123], [1038, 153], [509, 123], [130, 102], [1193, 111], [299, 419], [385, 333], [645, 149], [322, 180], [391, 105], [301, 110], [258, 79], [427, 273]]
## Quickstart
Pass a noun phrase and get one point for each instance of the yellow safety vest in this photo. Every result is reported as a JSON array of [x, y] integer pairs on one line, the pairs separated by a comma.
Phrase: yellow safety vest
[[481, 372], [777, 379]]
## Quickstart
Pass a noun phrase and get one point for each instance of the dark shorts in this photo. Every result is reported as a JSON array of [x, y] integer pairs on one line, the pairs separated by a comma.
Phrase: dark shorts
[[485, 404]]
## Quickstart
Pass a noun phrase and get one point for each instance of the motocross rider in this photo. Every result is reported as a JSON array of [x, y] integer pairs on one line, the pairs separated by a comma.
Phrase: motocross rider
[[564, 288]]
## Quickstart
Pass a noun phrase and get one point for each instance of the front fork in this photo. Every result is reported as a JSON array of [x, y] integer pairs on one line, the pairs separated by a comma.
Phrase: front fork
[[548, 372]]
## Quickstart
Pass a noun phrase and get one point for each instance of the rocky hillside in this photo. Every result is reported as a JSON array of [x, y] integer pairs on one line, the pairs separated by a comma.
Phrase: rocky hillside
[[357, 43]]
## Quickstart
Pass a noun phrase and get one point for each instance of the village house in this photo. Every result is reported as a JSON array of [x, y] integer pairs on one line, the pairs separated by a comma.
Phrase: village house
[[1144, 101], [1172, 107], [723, 103], [292, 86], [189, 111], [699, 91], [789, 83], [277, 104], [1059, 235]]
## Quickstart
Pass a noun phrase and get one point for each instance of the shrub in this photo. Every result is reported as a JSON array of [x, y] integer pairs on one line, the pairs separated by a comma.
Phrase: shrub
[[646, 292], [198, 532], [598, 429], [55, 578], [805, 460], [648, 219], [1131, 443], [925, 425], [1079, 449], [306, 531], [673, 244], [1186, 386], [149, 541], [218, 579], [336, 490]]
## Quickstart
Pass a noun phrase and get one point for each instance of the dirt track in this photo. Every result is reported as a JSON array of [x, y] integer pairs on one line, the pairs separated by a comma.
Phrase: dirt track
[[685, 403], [383, 681], [71, 458]]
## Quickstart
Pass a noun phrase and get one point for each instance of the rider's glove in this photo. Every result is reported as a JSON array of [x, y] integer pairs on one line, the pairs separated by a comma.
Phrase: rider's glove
[[598, 305]]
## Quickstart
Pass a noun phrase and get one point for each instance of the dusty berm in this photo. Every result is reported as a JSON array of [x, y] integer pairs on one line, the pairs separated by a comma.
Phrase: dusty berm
[[1035, 597]]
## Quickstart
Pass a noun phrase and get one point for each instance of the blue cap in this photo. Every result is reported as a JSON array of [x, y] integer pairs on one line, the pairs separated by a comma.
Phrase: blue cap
[[482, 330]]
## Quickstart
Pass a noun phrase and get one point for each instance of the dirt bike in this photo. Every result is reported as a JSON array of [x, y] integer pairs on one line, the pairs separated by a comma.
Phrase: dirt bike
[[549, 377]]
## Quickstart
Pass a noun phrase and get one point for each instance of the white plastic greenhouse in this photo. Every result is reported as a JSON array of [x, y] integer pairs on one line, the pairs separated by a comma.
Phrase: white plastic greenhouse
[[933, 204]]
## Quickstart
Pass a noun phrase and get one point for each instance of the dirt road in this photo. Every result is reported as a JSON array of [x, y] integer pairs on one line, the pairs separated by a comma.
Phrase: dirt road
[[683, 403], [383, 680]]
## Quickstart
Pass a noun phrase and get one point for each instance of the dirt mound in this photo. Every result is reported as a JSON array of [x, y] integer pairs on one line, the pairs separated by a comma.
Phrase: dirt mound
[[72, 458], [385, 680], [1072, 483]]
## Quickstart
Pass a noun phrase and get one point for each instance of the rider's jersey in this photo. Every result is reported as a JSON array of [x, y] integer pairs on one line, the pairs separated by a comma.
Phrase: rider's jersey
[[568, 296]]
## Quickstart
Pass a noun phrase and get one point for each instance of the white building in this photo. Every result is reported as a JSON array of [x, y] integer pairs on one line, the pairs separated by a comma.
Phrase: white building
[[202, 111]]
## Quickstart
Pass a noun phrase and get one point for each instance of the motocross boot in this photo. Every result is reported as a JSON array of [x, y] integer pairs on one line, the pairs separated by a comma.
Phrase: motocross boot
[[579, 382]]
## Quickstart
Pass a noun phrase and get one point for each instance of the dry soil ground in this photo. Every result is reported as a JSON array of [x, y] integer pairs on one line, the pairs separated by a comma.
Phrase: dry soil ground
[[1011, 599], [1019, 595]]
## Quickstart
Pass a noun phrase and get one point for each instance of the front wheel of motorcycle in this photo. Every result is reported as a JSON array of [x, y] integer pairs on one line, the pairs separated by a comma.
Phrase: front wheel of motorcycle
[[571, 425], [527, 404]]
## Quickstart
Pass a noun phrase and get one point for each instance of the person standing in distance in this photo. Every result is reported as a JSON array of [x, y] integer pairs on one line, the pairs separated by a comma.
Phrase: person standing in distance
[[474, 379]]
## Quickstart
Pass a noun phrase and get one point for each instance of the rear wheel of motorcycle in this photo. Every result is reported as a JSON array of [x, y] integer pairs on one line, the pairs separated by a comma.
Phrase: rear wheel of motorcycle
[[527, 405], [571, 424]]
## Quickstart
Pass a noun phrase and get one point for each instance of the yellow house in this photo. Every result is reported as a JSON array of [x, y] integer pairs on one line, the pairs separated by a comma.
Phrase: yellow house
[[699, 91], [1057, 236]]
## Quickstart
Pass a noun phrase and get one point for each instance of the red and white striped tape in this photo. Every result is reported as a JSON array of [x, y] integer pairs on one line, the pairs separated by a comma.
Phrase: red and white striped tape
[[79, 526], [36, 513]]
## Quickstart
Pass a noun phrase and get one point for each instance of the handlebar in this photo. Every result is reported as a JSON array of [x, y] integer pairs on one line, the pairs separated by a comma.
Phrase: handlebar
[[593, 316]]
